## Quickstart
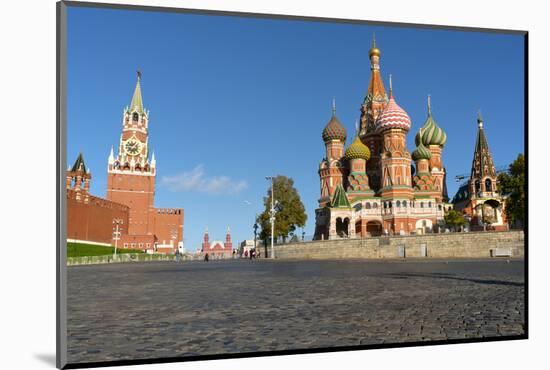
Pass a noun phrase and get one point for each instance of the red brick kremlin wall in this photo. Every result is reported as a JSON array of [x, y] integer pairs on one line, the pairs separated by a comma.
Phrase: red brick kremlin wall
[[91, 218], [167, 223]]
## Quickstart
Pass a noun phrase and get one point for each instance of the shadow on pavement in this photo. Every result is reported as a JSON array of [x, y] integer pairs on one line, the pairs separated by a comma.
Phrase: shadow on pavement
[[447, 276]]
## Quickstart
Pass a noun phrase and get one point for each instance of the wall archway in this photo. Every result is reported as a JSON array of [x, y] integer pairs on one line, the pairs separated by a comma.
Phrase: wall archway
[[374, 228], [342, 227]]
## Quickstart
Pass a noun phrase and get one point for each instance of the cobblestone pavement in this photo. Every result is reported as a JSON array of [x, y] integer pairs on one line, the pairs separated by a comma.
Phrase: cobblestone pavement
[[150, 310]]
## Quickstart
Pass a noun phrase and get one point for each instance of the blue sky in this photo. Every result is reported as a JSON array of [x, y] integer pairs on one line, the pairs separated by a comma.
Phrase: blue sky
[[233, 100]]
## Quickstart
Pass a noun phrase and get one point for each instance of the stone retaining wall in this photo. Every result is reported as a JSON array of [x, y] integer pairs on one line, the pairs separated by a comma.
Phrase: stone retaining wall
[[450, 245], [120, 258]]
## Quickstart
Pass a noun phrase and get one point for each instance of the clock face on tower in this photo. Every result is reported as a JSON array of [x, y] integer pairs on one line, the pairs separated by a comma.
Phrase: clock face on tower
[[133, 147]]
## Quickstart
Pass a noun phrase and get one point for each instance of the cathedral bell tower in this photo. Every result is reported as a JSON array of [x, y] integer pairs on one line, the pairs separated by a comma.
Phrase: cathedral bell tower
[[331, 168], [131, 174], [483, 179], [374, 103]]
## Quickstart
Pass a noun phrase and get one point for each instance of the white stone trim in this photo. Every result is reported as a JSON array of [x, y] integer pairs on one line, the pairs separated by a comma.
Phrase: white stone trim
[[89, 242]]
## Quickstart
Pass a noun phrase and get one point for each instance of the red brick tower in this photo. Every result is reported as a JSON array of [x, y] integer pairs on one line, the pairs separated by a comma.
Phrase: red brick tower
[[78, 179], [131, 174], [374, 103], [228, 245], [206, 241]]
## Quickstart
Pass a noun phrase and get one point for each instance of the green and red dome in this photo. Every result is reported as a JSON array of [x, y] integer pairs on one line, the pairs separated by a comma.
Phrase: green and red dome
[[432, 134]]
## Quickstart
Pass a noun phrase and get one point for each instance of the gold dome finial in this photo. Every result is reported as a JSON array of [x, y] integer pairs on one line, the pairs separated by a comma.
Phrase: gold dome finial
[[374, 50]]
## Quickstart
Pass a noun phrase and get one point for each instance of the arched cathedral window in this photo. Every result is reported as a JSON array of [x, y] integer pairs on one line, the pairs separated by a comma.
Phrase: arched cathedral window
[[488, 185]]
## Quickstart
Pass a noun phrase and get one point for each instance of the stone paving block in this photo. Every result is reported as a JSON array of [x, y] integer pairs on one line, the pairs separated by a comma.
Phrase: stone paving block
[[145, 310]]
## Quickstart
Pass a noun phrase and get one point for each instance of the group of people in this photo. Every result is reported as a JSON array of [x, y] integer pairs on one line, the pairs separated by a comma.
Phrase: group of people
[[252, 254]]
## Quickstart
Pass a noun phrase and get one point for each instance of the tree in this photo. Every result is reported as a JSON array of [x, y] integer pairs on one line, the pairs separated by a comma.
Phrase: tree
[[512, 184], [290, 212], [454, 219]]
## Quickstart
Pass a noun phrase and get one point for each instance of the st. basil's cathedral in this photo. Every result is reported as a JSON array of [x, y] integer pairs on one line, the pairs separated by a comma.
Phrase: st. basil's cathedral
[[371, 188]]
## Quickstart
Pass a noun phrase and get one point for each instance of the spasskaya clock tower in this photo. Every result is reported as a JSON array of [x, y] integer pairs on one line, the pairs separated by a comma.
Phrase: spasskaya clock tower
[[131, 173]]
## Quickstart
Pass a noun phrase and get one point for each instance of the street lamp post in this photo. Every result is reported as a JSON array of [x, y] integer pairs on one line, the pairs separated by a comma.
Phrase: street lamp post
[[117, 222], [255, 231], [272, 215]]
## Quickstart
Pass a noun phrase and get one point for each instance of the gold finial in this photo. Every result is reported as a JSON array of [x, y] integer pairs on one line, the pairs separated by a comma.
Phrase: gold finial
[[333, 105], [391, 88], [138, 74], [374, 50], [429, 105], [356, 126]]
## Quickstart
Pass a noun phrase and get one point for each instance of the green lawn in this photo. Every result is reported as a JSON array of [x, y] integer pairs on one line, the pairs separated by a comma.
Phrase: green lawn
[[82, 249]]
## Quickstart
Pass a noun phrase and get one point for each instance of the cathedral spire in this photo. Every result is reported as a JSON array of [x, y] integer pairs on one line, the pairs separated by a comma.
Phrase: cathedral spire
[[483, 160], [333, 105], [137, 101], [376, 89]]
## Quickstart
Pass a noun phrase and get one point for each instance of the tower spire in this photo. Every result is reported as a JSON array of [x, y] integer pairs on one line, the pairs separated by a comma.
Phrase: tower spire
[[391, 88], [137, 101], [429, 105], [479, 119], [483, 161], [333, 105]]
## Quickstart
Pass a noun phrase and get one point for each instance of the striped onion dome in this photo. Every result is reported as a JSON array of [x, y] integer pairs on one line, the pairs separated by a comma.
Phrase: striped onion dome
[[334, 130], [432, 134], [358, 150], [393, 116], [421, 152]]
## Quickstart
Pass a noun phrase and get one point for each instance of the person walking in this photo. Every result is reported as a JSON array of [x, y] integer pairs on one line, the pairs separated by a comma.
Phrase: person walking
[[206, 257]]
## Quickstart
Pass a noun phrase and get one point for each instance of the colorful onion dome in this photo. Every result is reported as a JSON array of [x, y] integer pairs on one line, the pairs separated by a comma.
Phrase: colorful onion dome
[[432, 134], [421, 152], [334, 130], [393, 116], [358, 150]]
